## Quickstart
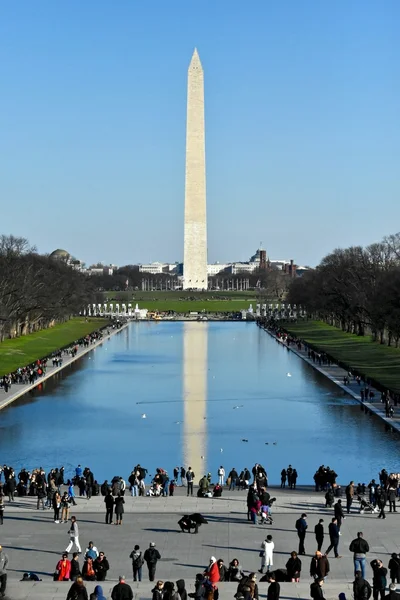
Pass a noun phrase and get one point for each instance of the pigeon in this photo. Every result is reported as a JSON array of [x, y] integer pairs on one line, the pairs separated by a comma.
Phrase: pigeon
[[178, 422], [221, 449], [266, 443], [144, 416], [244, 440], [202, 457], [274, 443], [239, 406], [288, 375]]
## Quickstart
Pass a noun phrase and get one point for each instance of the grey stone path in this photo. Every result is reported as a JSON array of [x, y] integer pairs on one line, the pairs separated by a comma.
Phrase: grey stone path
[[34, 542], [17, 390], [336, 374]]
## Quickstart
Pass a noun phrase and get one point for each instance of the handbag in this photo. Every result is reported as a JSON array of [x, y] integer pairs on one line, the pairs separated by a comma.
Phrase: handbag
[[261, 554]]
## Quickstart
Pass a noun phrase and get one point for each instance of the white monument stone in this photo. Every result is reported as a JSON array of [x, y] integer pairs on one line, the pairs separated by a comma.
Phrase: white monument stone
[[195, 237]]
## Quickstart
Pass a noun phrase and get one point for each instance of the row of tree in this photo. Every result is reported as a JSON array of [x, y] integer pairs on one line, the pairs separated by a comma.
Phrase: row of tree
[[357, 289], [35, 290]]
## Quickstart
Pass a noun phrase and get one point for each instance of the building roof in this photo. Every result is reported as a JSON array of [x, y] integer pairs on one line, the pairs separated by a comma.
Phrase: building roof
[[59, 253]]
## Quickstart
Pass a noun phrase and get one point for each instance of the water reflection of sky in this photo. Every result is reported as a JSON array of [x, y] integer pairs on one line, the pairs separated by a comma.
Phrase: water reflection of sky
[[187, 378]]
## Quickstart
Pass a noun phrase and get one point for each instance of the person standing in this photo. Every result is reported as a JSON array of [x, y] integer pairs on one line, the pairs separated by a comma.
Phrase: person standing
[[319, 566], [319, 534], [274, 588], [379, 579], [73, 536], [1, 509], [293, 567], [119, 508], [316, 591], [101, 566], [151, 556], [221, 475], [394, 568], [392, 499], [267, 553], [393, 594], [3, 571], [189, 480], [334, 538], [349, 496], [75, 567], [137, 563], [77, 591], [109, 502], [359, 547], [122, 591], [63, 568], [301, 526], [339, 514], [361, 588], [283, 478]]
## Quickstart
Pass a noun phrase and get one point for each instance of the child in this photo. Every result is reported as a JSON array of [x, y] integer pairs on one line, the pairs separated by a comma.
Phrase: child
[[172, 487], [265, 515]]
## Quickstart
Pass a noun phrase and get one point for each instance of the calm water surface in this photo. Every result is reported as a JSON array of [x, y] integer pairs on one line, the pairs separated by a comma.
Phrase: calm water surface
[[187, 378]]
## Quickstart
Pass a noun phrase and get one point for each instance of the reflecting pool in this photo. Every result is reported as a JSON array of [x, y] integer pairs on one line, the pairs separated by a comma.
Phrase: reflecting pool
[[199, 394]]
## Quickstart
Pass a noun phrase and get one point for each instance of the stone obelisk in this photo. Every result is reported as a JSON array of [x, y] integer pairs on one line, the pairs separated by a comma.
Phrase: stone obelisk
[[195, 243]]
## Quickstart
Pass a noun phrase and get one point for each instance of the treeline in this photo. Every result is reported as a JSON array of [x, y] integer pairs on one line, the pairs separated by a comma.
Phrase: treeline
[[356, 289], [35, 290]]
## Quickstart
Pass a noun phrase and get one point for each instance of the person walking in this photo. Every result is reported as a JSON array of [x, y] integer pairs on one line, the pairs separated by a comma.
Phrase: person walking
[[267, 554], [3, 571], [137, 563], [73, 536], [381, 499], [361, 588], [122, 591], [151, 556], [319, 534], [349, 496], [109, 502], [189, 480], [359, 547], [334, 538], [119, 509], [283, 478], [379, 579], [301, 526], [221, 475]]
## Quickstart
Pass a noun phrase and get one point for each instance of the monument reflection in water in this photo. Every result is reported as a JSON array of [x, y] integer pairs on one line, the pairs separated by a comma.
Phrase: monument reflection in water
[[195, 352]]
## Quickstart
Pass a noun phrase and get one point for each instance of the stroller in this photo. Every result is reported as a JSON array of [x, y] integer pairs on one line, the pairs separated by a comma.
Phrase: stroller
[[154, 490], [366, 506], [265, 511]]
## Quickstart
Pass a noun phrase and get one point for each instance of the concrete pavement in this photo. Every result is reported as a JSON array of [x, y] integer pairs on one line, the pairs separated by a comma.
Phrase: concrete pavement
[[34, 542]]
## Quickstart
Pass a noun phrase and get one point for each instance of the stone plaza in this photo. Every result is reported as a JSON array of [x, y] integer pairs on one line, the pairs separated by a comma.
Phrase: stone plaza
[[34, 543]]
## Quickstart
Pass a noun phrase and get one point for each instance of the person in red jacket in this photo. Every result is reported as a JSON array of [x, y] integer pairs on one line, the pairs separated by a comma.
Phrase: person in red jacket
[[63, 569], [212, 573]]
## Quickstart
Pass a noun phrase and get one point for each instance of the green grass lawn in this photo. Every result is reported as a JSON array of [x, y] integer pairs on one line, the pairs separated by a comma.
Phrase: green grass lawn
[[21, 351], [184, 306], [376, 361]]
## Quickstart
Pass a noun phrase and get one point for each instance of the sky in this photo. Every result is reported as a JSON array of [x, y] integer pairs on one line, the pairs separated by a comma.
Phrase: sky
[[302, 125]]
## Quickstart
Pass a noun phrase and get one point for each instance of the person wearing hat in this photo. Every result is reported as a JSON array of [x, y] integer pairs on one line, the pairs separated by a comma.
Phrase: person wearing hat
[[301, 526], [151, 556], [3, 571], [212, 572]]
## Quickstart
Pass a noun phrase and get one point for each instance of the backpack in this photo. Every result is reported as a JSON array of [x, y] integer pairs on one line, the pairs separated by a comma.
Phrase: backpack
[[138, 561], [366, 591]]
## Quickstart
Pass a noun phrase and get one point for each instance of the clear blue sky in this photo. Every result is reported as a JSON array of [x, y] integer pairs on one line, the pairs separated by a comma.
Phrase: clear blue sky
[[302, 125]]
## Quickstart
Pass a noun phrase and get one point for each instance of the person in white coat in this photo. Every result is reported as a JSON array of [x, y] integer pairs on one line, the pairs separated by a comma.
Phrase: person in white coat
[[221, 475], [267, 553]]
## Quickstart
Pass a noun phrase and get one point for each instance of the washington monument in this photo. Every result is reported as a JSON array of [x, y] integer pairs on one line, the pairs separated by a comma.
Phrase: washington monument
[[195, 238]]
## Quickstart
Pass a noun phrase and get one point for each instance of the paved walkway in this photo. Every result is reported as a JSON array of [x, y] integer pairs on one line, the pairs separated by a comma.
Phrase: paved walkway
[[336, 374], [34, 542], [18, 389]]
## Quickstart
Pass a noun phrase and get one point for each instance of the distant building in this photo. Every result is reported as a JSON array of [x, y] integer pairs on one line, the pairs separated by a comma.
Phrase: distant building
[[216, 268], [65, 257]]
